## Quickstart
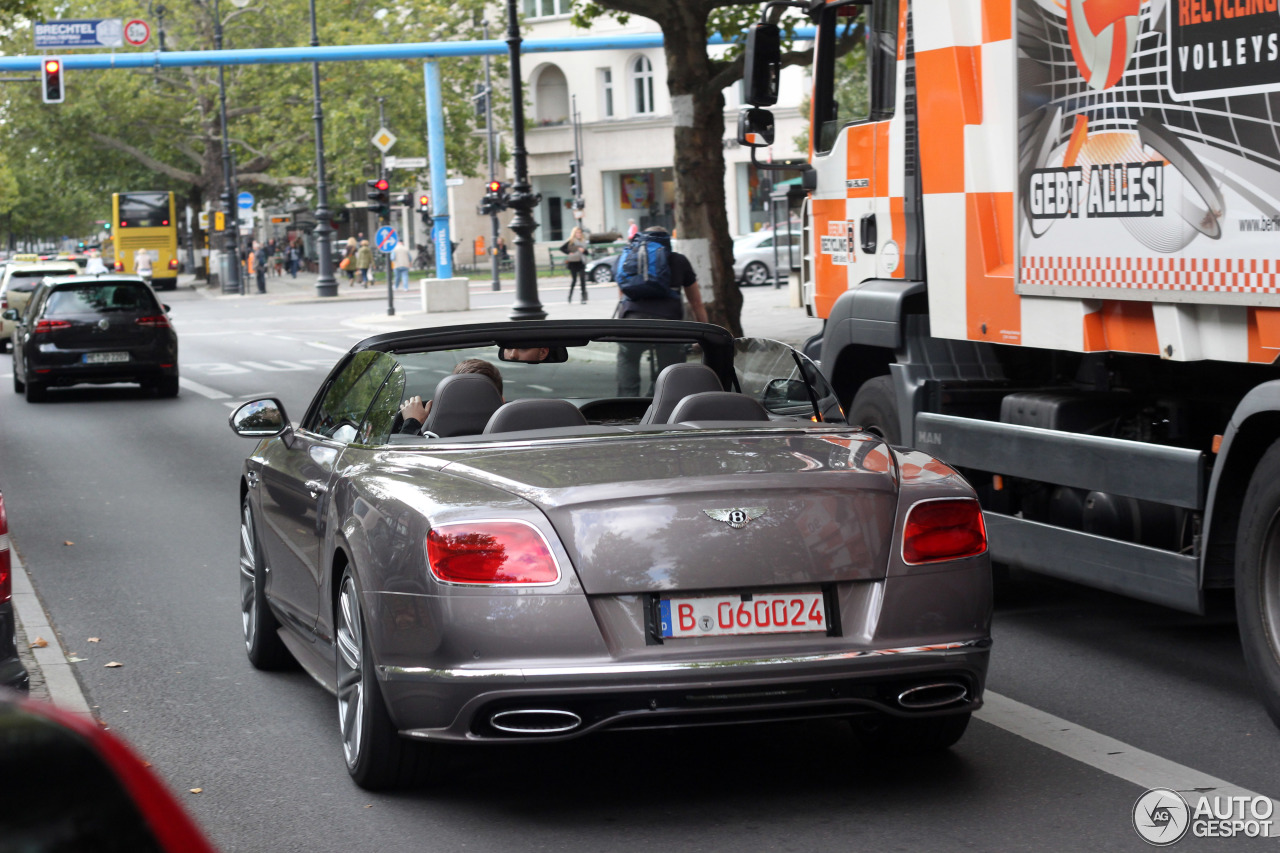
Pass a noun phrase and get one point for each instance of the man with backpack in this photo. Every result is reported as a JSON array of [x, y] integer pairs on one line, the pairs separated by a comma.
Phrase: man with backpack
[[651, 280]]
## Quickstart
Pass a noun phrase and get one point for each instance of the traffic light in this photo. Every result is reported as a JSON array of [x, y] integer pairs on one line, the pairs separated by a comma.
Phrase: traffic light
[[53, 89], [379, 196], [495, 199], [575, 177], [424, 210]]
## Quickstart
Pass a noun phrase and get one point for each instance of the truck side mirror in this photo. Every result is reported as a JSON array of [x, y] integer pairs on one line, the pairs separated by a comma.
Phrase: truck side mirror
[[755, 128], [762, 65]]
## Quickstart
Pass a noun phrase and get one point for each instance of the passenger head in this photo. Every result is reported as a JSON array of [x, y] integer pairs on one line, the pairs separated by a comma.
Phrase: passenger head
[[656, 229], [484, 368]]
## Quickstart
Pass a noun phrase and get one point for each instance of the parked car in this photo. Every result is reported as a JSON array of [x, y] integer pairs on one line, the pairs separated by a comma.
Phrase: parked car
[[723, 550], [604, 269], [97, 329], [18, 280], [753, 255], [12, 672], [69, 784]]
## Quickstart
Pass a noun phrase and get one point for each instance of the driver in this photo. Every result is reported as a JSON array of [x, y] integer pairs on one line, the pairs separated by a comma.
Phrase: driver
[[415, 411], [533, 355]]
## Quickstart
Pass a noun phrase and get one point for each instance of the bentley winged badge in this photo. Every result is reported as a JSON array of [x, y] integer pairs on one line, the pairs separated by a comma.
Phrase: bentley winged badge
[[736, 518]]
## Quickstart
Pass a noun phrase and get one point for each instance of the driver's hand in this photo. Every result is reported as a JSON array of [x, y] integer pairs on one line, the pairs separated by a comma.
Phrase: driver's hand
[[416, 409]]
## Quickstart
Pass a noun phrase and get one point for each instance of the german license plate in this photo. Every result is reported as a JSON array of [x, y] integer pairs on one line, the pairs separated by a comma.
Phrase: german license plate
[[105, 357], [742, 613]]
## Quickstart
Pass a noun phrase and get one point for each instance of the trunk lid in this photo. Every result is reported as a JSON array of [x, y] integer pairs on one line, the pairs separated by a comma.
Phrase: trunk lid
[[708, 511]]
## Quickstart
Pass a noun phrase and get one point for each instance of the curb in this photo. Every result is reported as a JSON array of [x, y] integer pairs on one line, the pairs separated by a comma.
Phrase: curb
[[59, 678]]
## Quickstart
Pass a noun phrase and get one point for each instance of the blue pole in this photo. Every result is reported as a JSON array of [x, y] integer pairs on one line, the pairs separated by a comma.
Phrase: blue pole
[[346, 53], [435, 153]]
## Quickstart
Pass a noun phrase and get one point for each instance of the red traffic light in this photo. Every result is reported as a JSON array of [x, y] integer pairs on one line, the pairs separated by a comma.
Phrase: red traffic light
[[495, 186], [52, 90], [381, 185], [424, 201], [52, 66]]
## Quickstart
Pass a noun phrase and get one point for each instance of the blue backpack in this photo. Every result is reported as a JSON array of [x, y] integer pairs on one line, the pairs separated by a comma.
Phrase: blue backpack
[[644, 270]]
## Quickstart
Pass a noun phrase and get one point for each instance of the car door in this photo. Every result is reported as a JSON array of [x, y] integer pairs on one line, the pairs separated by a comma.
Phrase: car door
[[784, 380], [296, 481]]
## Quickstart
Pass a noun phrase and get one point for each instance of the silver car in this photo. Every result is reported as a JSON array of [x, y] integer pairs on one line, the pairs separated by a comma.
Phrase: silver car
[[753, 255], [549, 559]]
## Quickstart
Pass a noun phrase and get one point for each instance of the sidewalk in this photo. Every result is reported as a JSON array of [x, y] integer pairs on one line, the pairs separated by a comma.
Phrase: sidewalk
[[766, 311]]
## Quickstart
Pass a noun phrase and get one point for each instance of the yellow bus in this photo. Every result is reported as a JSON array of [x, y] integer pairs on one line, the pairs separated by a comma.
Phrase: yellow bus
[[146, 220]]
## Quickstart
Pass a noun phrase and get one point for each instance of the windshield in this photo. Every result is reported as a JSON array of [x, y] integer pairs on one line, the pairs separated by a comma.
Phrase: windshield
[[144, 210]]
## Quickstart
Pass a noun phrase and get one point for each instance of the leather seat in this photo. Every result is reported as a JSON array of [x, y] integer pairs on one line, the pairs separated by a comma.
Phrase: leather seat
[[462, 405], [674, 383], [535, 414], [718, 406]]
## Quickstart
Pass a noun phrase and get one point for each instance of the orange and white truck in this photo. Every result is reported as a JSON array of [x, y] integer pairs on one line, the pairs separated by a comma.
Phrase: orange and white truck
[[1044, 236]]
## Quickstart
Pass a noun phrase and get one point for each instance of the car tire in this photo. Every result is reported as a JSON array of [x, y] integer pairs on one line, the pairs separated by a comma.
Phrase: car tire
[[36, 392], [1257, 580], [167, 386], [875, 409], [259, 625], [377, 757], [881, 734], [755, 274], [601, 274], [18, 385]]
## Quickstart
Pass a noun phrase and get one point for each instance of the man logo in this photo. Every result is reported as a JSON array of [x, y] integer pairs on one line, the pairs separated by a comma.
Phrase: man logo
[[1161, 816], [736, 518]]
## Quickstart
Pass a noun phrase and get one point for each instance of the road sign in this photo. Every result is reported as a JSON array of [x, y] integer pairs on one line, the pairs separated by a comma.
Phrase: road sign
[[58, 35], [244, 201], [386, 239], [383, 140], [406, 162], [137, 32], [454, 182]]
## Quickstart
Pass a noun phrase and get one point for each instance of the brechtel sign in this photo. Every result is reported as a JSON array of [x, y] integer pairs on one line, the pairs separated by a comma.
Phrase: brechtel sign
[[61, 35]]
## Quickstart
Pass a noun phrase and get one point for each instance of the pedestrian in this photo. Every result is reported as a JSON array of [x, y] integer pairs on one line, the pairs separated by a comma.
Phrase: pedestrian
[[650, 288], [400, 262], [260, 260], [142, 264], [632, 229], [293, 257], [348, 263], [575, 259], [364, 260]]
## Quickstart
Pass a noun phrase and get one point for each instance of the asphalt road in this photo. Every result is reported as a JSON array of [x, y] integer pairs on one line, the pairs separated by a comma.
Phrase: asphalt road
[[124, 510]]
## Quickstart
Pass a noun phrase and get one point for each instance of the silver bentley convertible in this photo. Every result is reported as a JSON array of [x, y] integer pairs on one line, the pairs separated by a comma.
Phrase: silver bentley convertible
[[600, 526]]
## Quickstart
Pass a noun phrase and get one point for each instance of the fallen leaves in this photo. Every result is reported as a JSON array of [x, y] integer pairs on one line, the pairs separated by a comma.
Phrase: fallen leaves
[[68, 542], [112, 665], [94, 640], [196, 790], [39, 643]]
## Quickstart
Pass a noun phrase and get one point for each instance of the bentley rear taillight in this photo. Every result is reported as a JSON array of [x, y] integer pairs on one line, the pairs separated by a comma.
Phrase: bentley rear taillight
[[44, 327], [945, 529], [6, 579], [491, 552]]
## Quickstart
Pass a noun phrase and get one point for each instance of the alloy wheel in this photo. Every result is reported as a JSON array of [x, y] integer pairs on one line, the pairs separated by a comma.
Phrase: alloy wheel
[[248, 578], [350, 671]]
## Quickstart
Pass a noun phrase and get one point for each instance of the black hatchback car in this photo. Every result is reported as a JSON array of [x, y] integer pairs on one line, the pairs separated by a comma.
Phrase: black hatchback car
[[99, 329]]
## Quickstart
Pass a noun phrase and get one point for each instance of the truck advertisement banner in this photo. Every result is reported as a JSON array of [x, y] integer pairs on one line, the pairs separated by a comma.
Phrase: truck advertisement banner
[[1149, 149]]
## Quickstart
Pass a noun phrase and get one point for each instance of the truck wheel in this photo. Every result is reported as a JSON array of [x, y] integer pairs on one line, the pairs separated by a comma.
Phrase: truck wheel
[[1258, 579], [875, 409]]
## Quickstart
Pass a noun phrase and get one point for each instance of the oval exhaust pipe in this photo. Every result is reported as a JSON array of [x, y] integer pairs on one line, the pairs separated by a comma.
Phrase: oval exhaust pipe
[[933, 695], [535, 721]]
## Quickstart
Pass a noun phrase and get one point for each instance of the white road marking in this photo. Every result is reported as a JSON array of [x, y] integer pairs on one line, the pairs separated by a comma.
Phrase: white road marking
[[202, 390], [285, 366], [543, 388], [1099, 751], [329, 347]]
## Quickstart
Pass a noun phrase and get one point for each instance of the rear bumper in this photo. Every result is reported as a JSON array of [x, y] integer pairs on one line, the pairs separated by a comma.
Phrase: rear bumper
[[613, 696]]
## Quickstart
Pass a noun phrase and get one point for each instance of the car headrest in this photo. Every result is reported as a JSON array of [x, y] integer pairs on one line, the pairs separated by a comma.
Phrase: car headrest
[[535, 414], [718, 406], [462, 405], [674, 383]]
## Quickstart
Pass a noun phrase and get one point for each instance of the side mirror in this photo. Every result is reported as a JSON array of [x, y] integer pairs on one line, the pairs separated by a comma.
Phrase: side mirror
[[11, 314], [259, 419], [755, 128], [762, 65]]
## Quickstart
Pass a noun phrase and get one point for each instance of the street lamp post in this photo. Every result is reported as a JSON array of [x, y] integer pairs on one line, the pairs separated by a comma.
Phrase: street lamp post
[[492, 154], [522, 198], [232, 282], [325, 283]]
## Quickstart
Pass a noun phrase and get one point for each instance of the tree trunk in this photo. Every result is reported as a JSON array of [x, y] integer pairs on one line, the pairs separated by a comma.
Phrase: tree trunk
[[195, 201], [702, 222]]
